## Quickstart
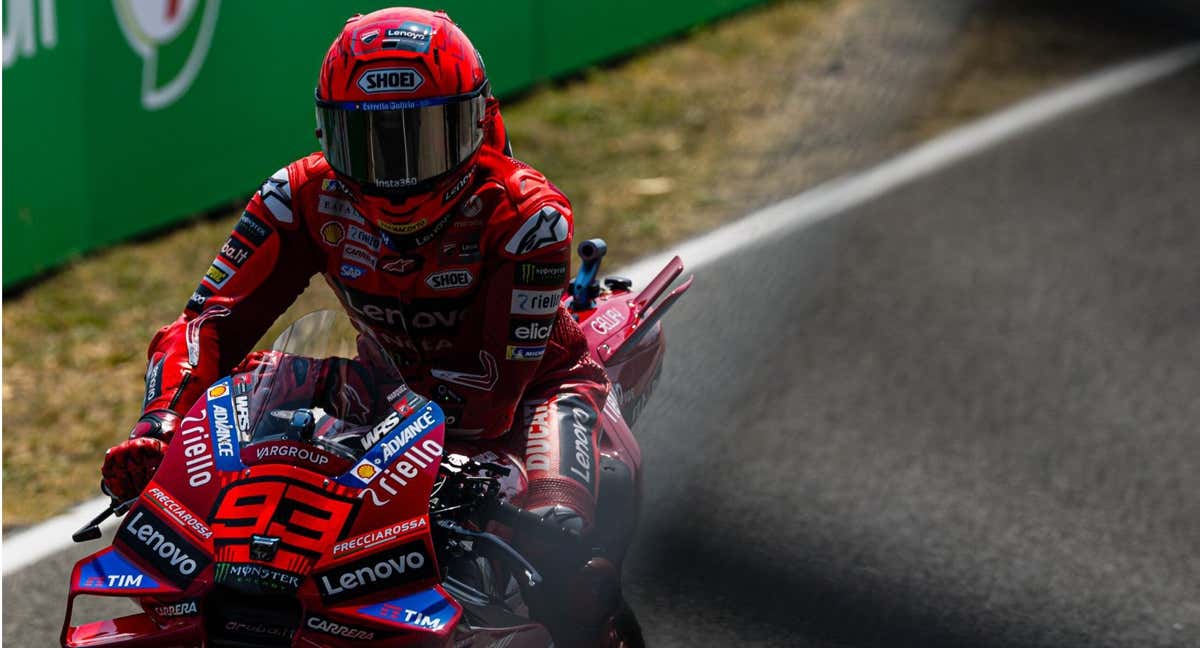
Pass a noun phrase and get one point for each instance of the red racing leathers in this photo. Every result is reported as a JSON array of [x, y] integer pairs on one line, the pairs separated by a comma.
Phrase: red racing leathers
[[468, 303]]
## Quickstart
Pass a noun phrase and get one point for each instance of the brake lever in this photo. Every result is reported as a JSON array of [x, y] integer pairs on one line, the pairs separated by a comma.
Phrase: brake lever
[[492, 546], [91, 530]]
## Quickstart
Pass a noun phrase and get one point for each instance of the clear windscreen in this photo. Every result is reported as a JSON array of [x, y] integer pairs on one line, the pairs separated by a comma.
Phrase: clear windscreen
[[322, 383]]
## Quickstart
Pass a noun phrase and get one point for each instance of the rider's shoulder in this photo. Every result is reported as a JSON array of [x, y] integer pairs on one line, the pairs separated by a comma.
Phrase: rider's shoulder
[[282, 192], [534, 214]]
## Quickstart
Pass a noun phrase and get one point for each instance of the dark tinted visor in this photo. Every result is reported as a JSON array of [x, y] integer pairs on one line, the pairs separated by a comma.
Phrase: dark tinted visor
[[393, 145]]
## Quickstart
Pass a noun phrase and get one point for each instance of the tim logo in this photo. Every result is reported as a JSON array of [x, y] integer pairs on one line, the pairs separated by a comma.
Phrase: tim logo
[[169, 27], [390, 80]]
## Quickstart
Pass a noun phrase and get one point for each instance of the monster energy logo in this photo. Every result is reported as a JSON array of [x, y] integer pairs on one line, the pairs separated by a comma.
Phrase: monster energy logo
[[541, 274]]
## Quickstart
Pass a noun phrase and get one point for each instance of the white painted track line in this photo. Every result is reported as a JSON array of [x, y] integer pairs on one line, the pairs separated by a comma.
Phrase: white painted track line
[[836, 196], [31, 545]]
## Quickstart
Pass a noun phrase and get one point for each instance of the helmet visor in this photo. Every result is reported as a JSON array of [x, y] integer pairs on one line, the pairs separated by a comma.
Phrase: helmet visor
[[394, 145]]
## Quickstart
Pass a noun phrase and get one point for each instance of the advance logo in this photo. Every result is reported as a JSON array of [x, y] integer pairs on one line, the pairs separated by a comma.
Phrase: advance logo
[[377, 572], [154, 540], [390, 80]]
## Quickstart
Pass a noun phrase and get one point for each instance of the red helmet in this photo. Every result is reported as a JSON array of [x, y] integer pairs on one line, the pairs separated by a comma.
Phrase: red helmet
[[400, 110]]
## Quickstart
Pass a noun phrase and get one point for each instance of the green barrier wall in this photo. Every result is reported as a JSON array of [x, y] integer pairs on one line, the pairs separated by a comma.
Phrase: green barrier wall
[[122, 116]]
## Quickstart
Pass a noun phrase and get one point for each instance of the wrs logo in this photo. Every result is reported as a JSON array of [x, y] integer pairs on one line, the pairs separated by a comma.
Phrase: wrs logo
[[172, 38]]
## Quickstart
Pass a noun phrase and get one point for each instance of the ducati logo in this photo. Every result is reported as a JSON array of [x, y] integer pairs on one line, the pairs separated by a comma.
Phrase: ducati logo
[[152, 25]]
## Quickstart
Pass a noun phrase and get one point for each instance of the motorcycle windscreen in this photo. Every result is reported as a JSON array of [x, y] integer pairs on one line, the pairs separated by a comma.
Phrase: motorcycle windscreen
[[327, 387]]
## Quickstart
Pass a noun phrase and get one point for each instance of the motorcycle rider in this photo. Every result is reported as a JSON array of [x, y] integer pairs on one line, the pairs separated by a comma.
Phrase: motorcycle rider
[[452, 252]]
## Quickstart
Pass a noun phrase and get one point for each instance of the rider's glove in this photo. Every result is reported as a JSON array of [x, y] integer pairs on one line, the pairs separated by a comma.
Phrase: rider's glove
[[129, 465]]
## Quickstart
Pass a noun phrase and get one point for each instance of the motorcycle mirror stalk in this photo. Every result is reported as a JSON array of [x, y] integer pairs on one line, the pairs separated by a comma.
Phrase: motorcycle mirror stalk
[[91, 530]]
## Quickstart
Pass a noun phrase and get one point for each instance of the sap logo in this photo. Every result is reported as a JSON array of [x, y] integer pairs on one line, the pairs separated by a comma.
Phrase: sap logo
[[607, 322], [351, 271], [530, 330], [450, 279], [224, 431], [535, 302], [390, 80]]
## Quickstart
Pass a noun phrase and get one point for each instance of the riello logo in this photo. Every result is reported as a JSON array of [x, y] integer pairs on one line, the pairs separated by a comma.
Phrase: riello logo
[[172, 38]]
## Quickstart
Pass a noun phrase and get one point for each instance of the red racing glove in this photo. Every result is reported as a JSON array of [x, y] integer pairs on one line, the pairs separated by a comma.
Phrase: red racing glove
[[129, 465]]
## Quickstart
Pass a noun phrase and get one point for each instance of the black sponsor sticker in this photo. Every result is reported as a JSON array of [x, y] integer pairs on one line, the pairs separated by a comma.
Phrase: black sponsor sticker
[[576, 427], [201, 295], [256, 579], [252, 229], [154, 380], [235, 252], [540, 274], [153, 540], [524, 330], [379, 571]]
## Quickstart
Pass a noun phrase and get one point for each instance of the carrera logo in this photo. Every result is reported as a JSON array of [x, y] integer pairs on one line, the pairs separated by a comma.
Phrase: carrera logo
[[338, 630], [186, 608], [450, 279], [390, 80], [376, 573], [358, 255]]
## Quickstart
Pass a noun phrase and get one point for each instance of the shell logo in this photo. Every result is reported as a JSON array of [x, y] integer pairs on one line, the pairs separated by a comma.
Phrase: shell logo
[[150, 24], [365, 471], [332, 233], [218, 391]]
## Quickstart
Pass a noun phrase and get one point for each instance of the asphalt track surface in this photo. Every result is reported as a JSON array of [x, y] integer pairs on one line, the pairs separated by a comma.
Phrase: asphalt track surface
[[962, 414]]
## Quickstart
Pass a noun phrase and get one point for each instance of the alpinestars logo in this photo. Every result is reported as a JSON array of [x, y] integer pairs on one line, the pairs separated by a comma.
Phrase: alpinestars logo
[[543, 228], [152, 25]]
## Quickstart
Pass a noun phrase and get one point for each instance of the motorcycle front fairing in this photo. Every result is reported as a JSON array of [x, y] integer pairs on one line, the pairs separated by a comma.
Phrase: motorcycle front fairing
[[272, 521]]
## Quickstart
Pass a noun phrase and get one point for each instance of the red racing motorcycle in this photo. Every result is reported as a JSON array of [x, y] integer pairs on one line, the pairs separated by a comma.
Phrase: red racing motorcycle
[[331, 512]]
